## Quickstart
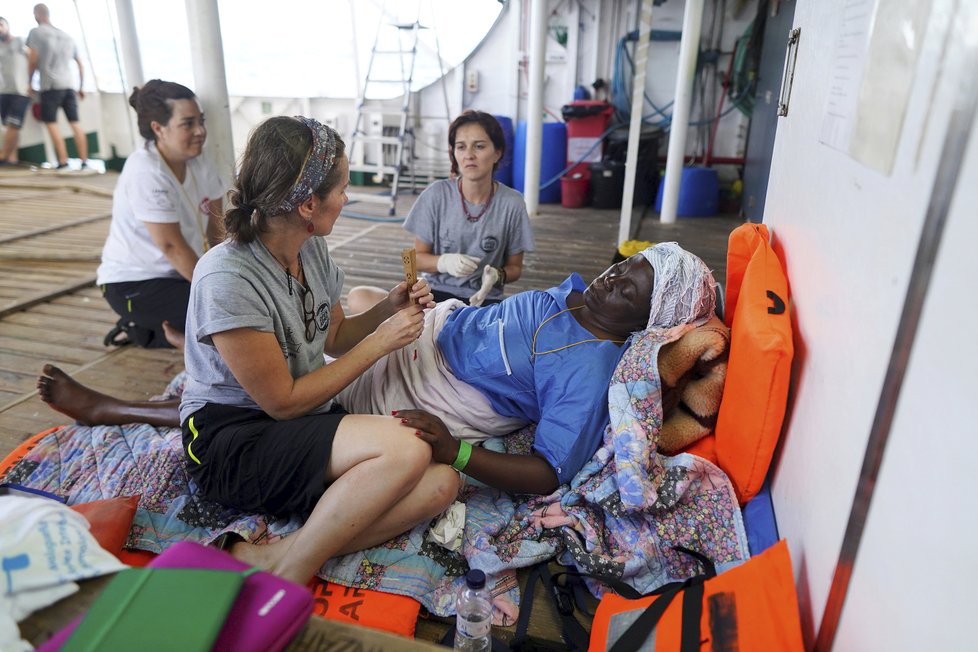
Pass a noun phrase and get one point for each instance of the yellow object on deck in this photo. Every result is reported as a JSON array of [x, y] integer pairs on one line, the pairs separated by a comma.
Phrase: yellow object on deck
[[629, 248]]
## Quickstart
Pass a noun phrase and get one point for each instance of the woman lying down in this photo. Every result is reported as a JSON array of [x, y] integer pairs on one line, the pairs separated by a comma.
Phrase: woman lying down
[[542, 357]]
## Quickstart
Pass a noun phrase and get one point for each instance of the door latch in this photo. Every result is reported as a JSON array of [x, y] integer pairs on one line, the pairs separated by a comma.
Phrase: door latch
[[790, 58]]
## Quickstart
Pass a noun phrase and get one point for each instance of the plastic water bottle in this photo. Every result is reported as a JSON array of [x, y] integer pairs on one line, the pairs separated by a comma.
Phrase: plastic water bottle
[[474, 620]]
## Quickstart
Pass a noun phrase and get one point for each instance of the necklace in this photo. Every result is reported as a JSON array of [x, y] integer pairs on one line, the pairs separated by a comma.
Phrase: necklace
[[465, 209], [288, 274], [533, 345], [308, 307]]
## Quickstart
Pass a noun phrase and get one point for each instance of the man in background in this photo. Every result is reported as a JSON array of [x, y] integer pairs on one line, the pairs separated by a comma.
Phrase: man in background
[[50, 53], [14, 91]]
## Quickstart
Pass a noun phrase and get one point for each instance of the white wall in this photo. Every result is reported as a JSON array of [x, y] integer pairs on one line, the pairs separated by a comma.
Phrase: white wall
[[594, 28], [119, 128], [849, 235], [89, 110]]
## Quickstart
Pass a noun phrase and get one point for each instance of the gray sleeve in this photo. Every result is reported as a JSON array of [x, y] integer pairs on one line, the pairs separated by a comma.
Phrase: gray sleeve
[[225, 301], [422, 220]]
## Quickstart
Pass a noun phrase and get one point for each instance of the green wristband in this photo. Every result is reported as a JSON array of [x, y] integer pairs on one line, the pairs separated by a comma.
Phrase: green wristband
[[464, 453]]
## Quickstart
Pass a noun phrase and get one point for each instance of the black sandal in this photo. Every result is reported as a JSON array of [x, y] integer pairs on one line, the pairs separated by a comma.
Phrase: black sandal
[[113, 339]]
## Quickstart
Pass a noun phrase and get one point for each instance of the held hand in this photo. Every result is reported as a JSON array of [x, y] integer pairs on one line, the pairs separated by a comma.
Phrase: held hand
[[420, 295], [398, 296], [431, 429], [457, 264], [401, 328], [490, 276]]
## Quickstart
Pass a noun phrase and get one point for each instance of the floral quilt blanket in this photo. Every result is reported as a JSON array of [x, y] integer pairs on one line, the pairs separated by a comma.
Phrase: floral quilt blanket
[[621, 516]]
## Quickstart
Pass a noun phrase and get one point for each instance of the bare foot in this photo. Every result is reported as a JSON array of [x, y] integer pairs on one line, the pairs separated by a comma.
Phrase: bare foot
[[268, 557], [260, 556], [68, 396], [173, 336]]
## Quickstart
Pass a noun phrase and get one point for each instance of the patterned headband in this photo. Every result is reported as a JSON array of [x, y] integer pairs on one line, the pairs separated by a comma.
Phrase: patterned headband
[[319, 161]]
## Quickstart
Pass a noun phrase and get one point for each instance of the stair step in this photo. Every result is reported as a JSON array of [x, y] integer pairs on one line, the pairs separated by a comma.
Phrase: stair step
[[384, 140], [369, 198], [374, 169]]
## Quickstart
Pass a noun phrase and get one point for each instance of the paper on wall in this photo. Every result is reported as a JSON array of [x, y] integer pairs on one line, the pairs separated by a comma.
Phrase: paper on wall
[[872, 76]]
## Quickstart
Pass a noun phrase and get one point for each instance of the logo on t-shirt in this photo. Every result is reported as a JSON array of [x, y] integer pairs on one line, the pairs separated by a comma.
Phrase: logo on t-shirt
[[162, 198], [322, 317], [490, 243], [205, 205]]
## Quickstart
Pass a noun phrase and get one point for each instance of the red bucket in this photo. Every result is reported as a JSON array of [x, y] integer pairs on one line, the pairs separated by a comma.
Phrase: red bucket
[[573, 190]]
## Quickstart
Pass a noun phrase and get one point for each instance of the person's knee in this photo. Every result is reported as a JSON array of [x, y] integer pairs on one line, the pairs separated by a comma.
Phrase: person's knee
[[363, 297], [414, 455], [447, 483]]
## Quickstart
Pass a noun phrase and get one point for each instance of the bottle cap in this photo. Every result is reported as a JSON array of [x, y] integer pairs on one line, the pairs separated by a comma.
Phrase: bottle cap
[[475, 579]]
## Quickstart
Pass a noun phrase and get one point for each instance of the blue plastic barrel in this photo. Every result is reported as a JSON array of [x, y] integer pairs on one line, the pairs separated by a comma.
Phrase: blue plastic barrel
[[699, 193], [553, 159], [504, 173]]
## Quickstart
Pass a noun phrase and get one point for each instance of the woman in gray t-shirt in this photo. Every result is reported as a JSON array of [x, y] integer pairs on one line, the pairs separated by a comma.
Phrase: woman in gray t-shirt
[[260, 429], [470, 231]]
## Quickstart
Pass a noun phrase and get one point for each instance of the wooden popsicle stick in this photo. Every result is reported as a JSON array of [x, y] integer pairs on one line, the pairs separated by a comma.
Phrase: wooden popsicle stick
[[410, 261]]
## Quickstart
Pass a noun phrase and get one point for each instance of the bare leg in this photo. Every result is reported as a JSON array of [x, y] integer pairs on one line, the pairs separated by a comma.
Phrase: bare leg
[[383, 483], [88, 407], [173, 336], [10, 138], [59, 143], [439, 480], [81, 142], [364, 297]]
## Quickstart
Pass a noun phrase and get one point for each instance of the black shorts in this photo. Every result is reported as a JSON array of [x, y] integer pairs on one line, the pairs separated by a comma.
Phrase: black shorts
[[143, 306], [13, 108], [245, 459], [63, 98], [445, 296]]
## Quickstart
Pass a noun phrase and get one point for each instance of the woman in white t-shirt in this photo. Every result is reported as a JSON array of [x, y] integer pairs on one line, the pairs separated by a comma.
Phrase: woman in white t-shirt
[[166, 211]]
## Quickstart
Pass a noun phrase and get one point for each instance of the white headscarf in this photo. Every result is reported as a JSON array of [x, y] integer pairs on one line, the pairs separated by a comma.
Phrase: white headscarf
[[684, 291]]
